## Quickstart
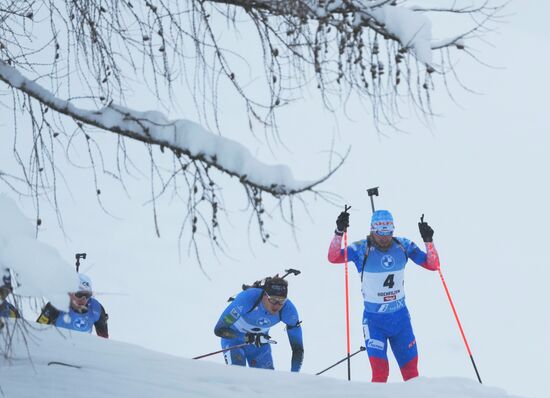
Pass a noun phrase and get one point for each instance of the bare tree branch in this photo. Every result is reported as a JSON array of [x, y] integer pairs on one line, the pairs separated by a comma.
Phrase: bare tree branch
[[216, 151], [79, 58]]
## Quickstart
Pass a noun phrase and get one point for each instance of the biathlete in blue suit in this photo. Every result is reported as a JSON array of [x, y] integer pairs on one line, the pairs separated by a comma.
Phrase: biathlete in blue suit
[[84, 314], [380, 260], [7, 310], [248, 319]]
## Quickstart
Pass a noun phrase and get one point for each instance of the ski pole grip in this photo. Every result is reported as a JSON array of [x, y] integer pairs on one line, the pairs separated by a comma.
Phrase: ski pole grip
[[372, 191]]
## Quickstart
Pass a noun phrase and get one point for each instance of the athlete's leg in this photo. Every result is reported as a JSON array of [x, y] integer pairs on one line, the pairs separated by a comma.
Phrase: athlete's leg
[[377, 347], [403, 345], [410, 369], [259, 357], [236, 356]]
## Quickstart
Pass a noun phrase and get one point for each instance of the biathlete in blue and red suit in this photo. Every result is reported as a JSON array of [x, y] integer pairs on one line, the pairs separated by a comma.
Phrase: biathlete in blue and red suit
[[248, 319], [380, 260]]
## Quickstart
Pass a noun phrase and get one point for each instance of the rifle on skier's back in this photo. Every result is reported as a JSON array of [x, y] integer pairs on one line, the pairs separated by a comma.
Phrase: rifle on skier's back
[[262, 282]]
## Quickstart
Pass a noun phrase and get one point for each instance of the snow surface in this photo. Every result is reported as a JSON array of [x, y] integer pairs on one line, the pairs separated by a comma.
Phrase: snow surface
[[115, 369]]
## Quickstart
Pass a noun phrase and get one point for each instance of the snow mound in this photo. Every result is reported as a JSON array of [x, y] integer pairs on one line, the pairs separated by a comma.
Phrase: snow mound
[[108, 368]]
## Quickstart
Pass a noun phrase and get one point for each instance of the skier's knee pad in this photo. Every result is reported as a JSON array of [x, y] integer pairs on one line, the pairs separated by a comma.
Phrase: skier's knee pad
[[380, 369], [410, 369]]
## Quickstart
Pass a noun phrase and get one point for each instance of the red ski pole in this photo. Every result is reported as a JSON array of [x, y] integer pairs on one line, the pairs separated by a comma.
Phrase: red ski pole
[[346, 208], [459, 325]]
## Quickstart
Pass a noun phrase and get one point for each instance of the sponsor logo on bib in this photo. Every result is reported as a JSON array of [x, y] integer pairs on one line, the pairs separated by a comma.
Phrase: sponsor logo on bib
[[387, 261], [80, 323], [264, 322]]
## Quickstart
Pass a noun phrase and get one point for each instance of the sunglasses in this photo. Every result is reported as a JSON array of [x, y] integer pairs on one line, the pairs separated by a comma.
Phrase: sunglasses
[[276, 301], [79, 295], [383, 233]]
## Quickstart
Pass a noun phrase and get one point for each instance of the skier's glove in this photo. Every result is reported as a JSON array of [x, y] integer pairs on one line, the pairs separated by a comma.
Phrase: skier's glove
[[426, 231], [342, 223], [256, 338]]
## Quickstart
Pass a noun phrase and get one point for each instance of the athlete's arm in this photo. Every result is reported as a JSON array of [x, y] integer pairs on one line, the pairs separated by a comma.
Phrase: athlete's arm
[[8, 310], [428, 260], [101, 328], [294, 331], [14, 312], [297, 346], [49, 315], [234, 311], [336, 254]]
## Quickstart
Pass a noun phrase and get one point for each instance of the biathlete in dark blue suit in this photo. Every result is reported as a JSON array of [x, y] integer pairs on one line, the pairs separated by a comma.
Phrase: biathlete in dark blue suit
[[380, 260], [248, 319]]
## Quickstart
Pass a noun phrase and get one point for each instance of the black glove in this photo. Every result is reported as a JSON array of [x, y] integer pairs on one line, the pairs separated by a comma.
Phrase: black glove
[[426, 231], [256, 338], [342, 223]]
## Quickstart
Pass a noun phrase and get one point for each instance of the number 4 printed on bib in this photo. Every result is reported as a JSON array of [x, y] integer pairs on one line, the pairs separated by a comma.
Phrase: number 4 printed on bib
[[389, 281]]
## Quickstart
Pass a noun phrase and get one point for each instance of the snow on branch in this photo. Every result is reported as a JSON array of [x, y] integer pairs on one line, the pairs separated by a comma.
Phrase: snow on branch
[[181, 136], [408, 26], [191, 52], [384, 50]]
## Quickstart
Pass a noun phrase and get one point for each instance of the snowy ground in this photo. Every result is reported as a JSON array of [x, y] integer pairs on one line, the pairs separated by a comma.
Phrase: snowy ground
[[114, 369]]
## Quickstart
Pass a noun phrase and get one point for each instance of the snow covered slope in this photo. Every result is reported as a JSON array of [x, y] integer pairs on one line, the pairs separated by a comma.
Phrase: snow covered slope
[[113, 369]]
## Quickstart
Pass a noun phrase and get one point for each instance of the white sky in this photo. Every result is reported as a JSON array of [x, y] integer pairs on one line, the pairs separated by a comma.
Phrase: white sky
[[479, 176]]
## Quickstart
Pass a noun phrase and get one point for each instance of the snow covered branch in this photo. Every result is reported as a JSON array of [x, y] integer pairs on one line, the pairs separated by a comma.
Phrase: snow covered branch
[[181, 136], [81, 58]]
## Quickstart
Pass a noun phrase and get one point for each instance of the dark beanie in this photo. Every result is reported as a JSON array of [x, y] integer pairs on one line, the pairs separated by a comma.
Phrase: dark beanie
[[276, 287]]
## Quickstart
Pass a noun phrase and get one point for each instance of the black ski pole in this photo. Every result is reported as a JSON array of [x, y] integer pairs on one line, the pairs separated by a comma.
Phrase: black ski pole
[[230, 348], [348, 339], [372, 192], [341, 360], [79, 256], [223, 350]]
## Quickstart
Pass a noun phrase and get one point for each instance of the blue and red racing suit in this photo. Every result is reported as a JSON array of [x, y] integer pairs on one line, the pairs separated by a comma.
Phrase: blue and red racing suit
[[386, 317], [247, 314]]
